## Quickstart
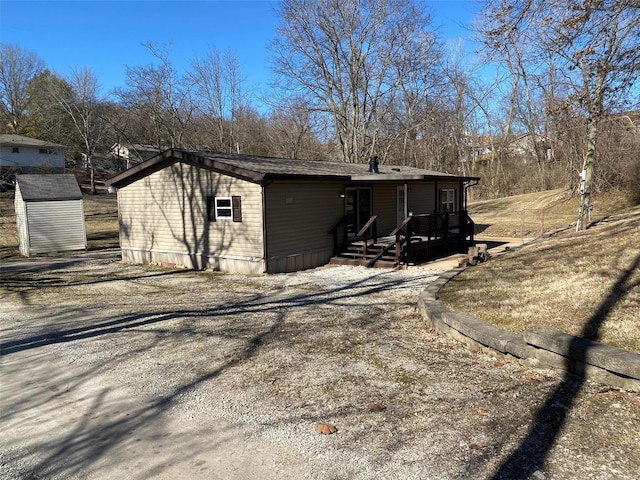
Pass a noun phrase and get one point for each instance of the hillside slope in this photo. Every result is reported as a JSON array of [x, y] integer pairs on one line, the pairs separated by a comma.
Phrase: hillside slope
[[585, 284], [531, 214]]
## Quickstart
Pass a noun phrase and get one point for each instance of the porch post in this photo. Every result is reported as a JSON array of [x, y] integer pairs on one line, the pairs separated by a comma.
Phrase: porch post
[[406, 200]]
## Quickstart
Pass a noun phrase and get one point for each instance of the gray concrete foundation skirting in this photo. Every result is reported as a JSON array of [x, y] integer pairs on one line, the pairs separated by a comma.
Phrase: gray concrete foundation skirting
[[550, 348]]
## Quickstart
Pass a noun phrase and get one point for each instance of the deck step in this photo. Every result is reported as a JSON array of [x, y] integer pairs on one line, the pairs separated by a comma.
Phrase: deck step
[[339, 260], [353, 254]]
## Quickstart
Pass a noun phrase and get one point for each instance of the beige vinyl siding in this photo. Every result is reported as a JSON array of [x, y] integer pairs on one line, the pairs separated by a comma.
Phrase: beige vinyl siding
[[163, 218], [421, 197], [384, 206], [299, 215]]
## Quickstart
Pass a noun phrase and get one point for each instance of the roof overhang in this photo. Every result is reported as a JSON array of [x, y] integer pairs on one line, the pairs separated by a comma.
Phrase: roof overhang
[[406, 177], [171, 156]]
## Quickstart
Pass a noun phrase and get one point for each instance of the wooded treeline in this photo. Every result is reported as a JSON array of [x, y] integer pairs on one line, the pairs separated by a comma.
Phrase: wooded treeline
[[552, 91]]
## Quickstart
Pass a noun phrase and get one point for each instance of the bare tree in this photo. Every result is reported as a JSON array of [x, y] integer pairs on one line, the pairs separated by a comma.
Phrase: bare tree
[[218, 90], [160, 99], [292, 130], [18, 67], [350, 56], [594, 47], [82, 103]]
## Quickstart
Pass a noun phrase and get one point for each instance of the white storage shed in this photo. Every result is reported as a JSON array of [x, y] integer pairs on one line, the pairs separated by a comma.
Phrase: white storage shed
[[49, 214]]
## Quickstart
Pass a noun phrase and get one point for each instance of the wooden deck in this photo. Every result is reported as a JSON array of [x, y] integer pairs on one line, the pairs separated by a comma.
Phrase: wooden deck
[[418, 238]]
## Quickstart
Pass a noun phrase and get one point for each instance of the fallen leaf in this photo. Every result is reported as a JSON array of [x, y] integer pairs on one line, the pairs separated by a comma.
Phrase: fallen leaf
[[326, 428], [376, 407], [498, 364], [476, 446]]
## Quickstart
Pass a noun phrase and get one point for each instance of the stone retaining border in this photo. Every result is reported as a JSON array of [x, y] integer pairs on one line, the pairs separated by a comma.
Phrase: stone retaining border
[[594, 361]]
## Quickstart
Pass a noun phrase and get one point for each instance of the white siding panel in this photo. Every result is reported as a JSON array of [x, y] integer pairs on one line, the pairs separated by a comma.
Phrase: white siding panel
[[55, 226]]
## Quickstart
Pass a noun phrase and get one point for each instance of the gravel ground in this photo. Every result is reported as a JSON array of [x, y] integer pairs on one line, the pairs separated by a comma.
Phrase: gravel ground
[[120, 371]]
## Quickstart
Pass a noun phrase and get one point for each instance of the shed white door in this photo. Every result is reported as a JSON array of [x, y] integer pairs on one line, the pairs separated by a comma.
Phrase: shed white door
[[55, 226]]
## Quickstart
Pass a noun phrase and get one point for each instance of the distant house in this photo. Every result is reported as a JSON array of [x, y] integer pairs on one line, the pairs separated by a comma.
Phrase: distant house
[[19, 154], [250, 214], [49, 214], [477, 149], [530, 146], [127, 155]]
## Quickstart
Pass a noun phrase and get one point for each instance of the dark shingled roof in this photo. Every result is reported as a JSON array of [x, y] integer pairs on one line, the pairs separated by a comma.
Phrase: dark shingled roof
[[257, 169], [35, 188]]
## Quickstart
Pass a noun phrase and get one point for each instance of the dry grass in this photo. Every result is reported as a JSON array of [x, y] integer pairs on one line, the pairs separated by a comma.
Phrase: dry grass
[[101, 223], [531, 214], [585, 284]]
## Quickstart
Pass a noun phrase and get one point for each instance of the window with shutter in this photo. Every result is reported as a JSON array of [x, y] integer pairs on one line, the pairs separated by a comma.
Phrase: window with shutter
[[236, 205], [224, 208]]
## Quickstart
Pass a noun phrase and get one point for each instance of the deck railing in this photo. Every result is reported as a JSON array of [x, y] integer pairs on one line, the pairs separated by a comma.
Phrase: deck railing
[[425, 231], [416, 233]]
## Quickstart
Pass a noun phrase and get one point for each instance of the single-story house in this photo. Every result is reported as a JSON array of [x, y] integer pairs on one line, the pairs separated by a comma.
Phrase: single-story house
[[20, 154], [251, 214], [49, 214]]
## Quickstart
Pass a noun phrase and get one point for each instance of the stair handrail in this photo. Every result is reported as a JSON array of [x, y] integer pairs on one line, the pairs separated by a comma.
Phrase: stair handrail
[[402, 225], [371, 224]]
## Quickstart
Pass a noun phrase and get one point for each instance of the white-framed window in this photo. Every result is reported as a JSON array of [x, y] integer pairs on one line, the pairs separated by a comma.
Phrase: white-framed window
[[448, 200], [224, 208]]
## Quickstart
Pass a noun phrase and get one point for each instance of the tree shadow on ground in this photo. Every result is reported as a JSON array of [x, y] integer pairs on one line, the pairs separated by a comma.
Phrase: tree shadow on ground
[[83, 443], [530, 455]]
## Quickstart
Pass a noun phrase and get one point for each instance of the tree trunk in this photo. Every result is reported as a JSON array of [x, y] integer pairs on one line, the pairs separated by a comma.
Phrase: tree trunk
[[584, 214], [595, 112]]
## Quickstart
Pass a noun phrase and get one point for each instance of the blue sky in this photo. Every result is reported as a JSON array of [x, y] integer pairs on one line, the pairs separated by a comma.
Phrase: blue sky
[[108, 35]]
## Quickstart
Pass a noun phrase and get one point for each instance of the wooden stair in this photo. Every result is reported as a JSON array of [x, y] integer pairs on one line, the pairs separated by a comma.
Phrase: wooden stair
[[378, 254]]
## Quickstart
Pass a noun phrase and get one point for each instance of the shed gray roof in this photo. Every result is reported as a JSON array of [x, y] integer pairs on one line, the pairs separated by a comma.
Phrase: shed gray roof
[[37, 188], [258, 169]]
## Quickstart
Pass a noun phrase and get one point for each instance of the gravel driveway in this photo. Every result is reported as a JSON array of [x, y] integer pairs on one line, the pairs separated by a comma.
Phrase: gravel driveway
[[118, 371]]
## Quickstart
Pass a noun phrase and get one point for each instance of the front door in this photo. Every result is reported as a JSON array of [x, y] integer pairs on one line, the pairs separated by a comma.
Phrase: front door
[[358, 208]]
